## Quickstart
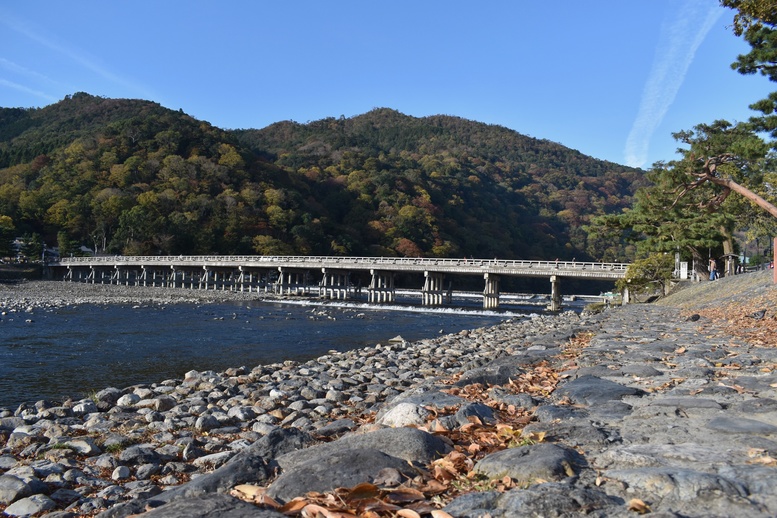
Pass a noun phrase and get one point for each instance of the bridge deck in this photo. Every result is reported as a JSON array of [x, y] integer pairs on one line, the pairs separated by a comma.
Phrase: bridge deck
[[518, 268]]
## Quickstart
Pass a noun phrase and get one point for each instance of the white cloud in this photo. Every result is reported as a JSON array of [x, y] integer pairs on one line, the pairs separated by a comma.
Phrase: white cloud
[[680, 37]]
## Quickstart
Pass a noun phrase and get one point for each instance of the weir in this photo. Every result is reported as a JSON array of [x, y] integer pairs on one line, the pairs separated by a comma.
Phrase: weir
[[298, 275]]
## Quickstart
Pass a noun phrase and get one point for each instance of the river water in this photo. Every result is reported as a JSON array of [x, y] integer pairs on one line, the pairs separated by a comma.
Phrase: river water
[[74, 350]]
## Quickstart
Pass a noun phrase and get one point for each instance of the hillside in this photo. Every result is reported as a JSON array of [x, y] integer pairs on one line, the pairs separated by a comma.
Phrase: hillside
[[131, 177]]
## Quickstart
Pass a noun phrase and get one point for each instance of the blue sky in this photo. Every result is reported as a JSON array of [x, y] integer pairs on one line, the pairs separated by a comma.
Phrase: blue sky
[[610, 78]]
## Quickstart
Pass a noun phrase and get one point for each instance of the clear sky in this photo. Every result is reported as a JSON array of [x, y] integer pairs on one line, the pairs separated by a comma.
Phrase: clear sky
[[610, 78]]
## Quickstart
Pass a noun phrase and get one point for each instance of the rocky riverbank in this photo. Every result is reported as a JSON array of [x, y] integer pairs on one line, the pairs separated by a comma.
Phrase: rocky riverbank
[[24, 295], [669, 409]]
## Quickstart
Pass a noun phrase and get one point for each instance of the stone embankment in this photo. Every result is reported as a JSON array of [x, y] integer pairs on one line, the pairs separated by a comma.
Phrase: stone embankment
[[669, 409]]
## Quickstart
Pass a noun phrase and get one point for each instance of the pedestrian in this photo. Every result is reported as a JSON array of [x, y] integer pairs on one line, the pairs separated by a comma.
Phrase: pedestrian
[[713, 269]]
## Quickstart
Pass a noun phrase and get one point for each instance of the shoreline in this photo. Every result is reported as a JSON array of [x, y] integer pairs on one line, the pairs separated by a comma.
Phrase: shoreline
[[642, 408], [208, 413], [47, 294]]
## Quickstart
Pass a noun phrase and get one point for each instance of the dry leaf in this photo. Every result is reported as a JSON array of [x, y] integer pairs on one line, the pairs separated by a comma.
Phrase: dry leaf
[[437, 513], [433, 487], [404, 494], [474, 419], [408, 513], [294, 506], [249, 491], [363, 491], [317, 511], [638, 506]]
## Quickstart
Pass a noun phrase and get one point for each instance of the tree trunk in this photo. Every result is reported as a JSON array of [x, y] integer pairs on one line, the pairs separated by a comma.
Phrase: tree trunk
[[728, 250], [744, 191], [699, 264]]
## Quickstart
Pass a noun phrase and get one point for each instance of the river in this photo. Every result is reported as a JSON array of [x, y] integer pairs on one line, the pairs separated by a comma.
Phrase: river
[[74, 350]]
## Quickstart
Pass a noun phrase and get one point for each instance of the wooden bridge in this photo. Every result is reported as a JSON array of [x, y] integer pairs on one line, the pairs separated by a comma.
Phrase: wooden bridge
[[331, 276]]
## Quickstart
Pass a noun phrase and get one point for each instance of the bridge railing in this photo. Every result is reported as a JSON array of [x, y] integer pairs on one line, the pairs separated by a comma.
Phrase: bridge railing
[[318, 261]]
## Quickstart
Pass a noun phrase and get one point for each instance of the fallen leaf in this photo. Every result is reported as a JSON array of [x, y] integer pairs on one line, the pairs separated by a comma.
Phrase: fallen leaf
[[293, 506], [638, 506], [433, 487], [249, 490], [316, 511], [404, 494], [437, 513], [408, 513], [363, 491]]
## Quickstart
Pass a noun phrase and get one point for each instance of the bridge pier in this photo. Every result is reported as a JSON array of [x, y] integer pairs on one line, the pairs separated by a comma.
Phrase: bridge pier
[[335, 284], [291, 282], [433, 293], [172, 279], [256, 273], [381, 287], [246, 279], [204, 280], [491, 291], [555, 293]]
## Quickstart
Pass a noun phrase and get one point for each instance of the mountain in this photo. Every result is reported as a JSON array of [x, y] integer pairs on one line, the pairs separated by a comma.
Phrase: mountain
[[132, 177]]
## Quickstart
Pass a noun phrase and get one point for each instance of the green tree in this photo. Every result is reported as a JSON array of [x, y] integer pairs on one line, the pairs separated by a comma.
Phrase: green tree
[[67, 245], [32, 246], [649, 275], [7, 235], [660, 222], [268, 245], [723, 158]]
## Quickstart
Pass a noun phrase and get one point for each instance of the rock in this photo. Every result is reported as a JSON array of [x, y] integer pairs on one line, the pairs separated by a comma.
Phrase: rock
[[121, 473], [673, 486], [336, 427], [322, 471], [550, 499], [109, 395], [7, 462], [12, 489], [409, 444], [128, 400], [84, 446], [590, 390], [206, 423], [211, 506], [32, 505], [213, 460], [139, 454], [529, 464], [405, 414], [741, 425], [164, 403], [496, 372], [86, 406], [478, 411]]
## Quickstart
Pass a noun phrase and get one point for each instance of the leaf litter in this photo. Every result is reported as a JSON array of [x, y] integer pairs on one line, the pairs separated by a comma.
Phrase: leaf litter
[[445, 478]]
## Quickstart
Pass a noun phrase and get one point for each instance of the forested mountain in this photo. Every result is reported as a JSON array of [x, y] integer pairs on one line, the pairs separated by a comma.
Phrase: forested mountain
[[131, 177]]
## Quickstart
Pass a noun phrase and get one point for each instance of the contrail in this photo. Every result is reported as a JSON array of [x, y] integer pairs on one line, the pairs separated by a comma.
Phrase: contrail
[[73, 55], [27, 90], [679, 39]]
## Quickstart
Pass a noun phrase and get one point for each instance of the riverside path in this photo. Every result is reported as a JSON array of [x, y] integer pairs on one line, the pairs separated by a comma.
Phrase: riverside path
[[330, 275]]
